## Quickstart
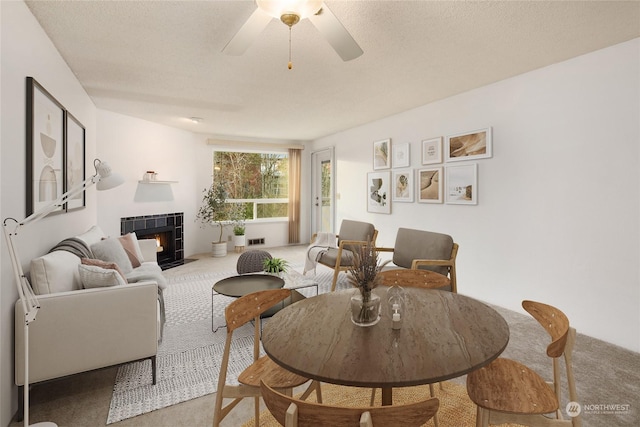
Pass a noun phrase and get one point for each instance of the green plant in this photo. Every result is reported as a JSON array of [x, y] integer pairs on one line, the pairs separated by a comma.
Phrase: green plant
[[275, 265], [214, 209], [238, 230]]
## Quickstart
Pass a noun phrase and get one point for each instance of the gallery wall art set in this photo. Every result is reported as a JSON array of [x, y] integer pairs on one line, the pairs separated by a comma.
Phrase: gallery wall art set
[[453, 183], [55, 151]]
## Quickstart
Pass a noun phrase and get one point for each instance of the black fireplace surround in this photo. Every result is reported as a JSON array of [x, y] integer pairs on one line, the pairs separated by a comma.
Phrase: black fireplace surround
[[166, 229]]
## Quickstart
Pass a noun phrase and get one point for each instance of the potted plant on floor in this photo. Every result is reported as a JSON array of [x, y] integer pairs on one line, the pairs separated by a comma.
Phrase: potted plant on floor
[[215, 210]]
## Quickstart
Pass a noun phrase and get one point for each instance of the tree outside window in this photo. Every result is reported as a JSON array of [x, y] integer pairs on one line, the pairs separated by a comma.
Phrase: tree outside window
[[259, 181]]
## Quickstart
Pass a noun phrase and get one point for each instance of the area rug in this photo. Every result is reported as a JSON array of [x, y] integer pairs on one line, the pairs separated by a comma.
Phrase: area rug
[[189, 356], [456, 409]]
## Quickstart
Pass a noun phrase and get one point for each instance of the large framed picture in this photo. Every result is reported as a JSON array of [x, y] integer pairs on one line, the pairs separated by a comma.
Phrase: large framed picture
[[472, 145], [430, 185], [462, 184], [45, 150], [382, 154], [402, 186], [401, 155], [432, 151], [378, 192], [74, 169]]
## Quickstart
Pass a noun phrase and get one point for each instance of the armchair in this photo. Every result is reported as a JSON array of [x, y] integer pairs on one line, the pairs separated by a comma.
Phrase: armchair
[[419, 249], [351, 235]]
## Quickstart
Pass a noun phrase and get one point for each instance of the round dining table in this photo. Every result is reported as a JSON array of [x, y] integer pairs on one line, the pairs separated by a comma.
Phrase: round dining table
[[443, 335]]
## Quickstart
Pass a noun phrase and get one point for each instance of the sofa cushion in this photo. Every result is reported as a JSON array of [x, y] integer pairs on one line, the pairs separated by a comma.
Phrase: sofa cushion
[[111, 250], [55, 272], [130, 244], [93, 276], [91, 236], [147, 271], [103, 264]]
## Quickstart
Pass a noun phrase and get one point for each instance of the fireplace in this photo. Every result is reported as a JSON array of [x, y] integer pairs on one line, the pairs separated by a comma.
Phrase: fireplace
[[165, 229]]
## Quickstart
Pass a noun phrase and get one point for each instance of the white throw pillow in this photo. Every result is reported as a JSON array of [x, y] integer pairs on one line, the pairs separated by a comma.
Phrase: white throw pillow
[[111, 250], [93, 276], [55, 272]]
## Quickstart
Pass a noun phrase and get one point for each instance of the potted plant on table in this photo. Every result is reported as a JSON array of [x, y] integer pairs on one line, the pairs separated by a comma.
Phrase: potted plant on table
[[215, 210], [275, 266]]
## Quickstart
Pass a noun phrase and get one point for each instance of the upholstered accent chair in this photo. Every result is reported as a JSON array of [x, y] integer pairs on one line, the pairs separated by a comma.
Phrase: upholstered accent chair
[[352, 234], [425, 250]]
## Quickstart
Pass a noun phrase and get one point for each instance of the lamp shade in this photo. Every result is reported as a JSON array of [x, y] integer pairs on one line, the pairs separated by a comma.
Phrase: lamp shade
[[106, 178], [277, 8]]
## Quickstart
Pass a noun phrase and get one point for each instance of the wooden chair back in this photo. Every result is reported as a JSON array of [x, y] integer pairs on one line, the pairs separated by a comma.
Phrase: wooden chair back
[[290, 411]]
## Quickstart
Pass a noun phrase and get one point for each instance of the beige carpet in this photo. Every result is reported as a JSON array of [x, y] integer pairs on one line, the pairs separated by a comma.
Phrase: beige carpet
[[456, 409]]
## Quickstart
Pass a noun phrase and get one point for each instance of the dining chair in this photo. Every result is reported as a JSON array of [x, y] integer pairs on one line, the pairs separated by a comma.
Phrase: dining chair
[[241, 311], [352, 234], [420, 249], [508, 391], [292, 412]]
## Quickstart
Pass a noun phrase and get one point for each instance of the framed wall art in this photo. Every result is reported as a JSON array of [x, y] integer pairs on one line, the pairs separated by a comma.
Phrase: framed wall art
[[74, 169], [432, 151], [45, 150], [378, 192], [402, 186], [472, 145], [401, 155], [462, 184], [382, 154], [430, 185]]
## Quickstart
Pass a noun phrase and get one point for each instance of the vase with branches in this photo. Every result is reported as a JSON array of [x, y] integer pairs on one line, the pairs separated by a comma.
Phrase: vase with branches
[[363, 275]]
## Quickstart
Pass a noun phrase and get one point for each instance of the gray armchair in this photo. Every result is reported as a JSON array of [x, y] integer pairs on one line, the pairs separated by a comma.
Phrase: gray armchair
[[351, 235], [419, 249]]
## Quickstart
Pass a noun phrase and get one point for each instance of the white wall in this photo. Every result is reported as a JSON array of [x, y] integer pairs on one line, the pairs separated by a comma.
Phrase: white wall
[[133, 146], [558, 213], [27, 51]]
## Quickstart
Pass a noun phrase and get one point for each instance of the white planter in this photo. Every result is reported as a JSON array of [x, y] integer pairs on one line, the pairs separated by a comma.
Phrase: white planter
[[239, 240], [219, 249]]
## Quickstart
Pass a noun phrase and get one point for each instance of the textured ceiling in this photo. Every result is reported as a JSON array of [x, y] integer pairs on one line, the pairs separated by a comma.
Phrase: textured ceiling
[[162, 60]]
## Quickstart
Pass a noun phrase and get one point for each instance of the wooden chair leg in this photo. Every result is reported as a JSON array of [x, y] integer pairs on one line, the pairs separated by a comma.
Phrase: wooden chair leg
[[335, 279], [256, 404]]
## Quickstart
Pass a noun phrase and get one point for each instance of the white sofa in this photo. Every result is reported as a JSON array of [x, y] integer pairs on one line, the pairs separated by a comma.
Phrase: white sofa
[[83, 325]]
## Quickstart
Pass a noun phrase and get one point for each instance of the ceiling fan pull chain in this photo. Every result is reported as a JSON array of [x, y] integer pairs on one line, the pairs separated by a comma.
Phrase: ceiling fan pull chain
[[290, 65]]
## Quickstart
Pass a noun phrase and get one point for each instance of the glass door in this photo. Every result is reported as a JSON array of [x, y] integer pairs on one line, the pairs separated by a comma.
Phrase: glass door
[[322, 194]]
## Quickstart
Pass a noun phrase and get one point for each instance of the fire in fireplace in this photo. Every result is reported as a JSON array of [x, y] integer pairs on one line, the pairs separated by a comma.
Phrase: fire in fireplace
[[165, 229]]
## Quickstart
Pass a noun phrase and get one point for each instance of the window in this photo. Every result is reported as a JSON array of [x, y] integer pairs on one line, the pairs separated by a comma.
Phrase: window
[[259, 181]]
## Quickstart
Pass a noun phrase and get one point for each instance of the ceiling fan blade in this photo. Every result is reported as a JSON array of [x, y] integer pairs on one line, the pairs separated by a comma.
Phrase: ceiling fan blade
[[247, 33], [335, 33]]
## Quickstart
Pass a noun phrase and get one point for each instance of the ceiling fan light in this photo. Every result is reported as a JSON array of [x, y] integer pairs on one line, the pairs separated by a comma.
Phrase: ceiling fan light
[[277, 8]]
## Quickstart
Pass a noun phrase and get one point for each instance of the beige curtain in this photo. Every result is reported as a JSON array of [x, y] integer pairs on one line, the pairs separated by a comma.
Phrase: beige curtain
[[295, 156]]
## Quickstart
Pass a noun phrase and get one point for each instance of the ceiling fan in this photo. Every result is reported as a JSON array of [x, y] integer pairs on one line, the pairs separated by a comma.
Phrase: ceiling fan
[[290, 12]]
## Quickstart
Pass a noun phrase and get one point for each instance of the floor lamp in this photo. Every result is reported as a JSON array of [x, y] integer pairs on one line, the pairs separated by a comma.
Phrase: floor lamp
[[104, 180]]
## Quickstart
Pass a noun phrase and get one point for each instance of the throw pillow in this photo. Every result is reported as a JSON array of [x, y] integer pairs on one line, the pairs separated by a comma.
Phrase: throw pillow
[[93, 276], [130, 244], [111, 250], [103, 264]]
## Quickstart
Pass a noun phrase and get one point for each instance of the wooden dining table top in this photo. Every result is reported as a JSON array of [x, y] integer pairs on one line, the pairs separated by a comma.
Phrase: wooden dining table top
[[443, 335]]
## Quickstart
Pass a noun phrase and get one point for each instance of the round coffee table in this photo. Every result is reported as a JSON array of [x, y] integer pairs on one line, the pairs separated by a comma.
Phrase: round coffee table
[[239, 286], [244, 284]]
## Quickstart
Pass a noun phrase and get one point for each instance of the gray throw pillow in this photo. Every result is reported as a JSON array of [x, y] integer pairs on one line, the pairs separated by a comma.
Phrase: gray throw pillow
[[111, 250], [93, 276]]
